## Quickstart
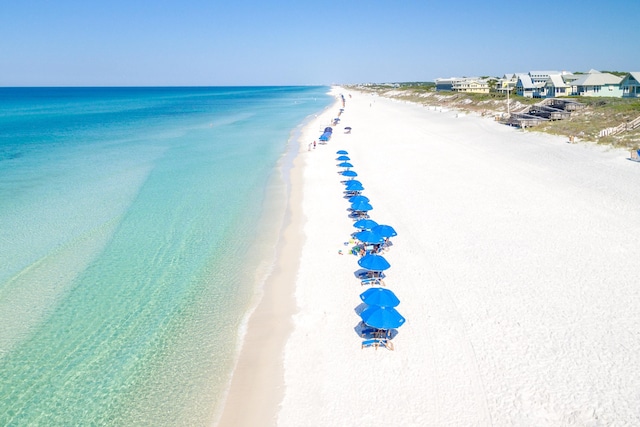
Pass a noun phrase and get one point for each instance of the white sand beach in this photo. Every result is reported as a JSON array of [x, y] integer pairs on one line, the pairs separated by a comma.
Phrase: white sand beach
[[516, 264]]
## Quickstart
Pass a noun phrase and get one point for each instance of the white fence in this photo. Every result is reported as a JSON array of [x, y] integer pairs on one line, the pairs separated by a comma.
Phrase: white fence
[[620, 128]]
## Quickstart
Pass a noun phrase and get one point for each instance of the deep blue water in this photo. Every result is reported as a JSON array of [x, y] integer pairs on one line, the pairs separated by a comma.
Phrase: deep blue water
[[133, 233]]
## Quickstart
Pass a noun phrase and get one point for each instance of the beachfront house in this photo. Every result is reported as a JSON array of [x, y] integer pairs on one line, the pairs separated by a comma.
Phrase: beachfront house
[[542, 76], [463, 84], [556, 86], [527, 88], [540, 84], [630, 85], [595, 83], [471, 85], [444, 84], [507, 83]]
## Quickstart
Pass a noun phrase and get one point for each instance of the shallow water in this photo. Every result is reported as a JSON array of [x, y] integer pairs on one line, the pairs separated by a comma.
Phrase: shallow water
[[126, 215]]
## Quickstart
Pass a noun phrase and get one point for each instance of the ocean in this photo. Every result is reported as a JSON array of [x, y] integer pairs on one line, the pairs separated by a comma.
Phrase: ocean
[[137, 226]]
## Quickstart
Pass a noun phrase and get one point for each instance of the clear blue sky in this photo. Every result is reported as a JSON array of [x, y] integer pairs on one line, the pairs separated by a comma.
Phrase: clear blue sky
[[285, 42]]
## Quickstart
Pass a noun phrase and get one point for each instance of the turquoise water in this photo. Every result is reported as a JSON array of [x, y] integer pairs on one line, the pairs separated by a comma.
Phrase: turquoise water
[[129, 223]]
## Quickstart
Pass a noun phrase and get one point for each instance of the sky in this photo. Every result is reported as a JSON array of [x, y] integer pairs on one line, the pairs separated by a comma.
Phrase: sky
[[322, 42]]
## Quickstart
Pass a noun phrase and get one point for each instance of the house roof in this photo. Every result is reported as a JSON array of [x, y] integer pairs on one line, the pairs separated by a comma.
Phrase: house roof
[[542, 73], [445, 81], [556, 80], [634, 74], [526, 81], [597, 79]]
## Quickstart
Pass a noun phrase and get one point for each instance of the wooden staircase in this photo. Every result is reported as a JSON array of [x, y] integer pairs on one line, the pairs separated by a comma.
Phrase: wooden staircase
[[545, 110]]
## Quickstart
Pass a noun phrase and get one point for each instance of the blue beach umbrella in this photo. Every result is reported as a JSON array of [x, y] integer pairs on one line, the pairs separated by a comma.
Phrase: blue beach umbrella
[[370, 237], [385, 230], [365, 224], [379, 296], [343, 158], [361, 206], [342, 152], [345, 165], [374, 262], [349, 173], [352, 182], [382, 317], [354, 188], [358, 198]]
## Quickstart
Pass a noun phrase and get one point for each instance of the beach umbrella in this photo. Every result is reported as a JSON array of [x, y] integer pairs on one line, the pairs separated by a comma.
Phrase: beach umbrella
[[382, 317], [342, 152], [349, 173], [379, 296], [345, 165], [384, 230], [357, 187], [328, 129], [352, 182], [356, 199], [361, 206], [354, 187], [365, 224], [343, 158], [368, 236], [374, 262]]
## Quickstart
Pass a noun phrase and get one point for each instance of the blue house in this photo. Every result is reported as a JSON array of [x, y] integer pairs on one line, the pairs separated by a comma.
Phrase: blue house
[[630, 85], [595, 83]]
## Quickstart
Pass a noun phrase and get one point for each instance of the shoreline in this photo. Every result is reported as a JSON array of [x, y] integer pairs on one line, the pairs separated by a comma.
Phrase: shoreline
[[257, 383]]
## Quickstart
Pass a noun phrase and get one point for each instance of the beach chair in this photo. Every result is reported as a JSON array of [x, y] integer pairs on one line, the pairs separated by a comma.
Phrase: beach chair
[[371, 281], [371, 278], [368, 333], [356, 215], [371, 333], [635, 155], [377, 342]]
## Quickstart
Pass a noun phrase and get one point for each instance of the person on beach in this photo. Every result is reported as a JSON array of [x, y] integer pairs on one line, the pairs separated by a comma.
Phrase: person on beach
[[314, 145]]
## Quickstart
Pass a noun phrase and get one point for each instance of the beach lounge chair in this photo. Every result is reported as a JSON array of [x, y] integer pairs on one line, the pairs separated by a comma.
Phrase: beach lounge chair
[[371, 278], [370, 333], [376, 342], [373, 281], [356, 215], [635, 155]]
